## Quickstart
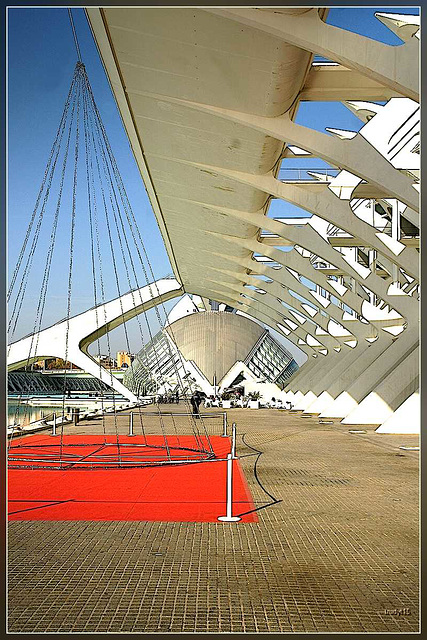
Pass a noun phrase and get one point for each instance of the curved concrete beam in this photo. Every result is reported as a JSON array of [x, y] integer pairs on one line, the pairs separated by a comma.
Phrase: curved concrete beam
[[70, 339], [391, 66]]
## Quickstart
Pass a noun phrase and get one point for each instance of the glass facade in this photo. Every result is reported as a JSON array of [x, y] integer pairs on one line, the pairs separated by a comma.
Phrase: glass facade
[[158, 362], [26, 383], [271, 361]]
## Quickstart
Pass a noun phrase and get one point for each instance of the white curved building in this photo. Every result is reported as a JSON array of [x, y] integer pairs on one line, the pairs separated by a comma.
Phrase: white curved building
[[209, 98], [211, 350]]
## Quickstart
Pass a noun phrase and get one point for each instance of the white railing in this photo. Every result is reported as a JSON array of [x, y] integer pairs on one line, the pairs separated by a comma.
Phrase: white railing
[[304, 174]]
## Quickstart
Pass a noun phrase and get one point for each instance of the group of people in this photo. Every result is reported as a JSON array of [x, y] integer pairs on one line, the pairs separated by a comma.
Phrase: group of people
[[173, 398], [169, 398], [214, 401]]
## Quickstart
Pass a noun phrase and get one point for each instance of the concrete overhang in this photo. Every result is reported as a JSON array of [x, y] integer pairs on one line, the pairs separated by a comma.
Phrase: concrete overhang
[[154, 55]]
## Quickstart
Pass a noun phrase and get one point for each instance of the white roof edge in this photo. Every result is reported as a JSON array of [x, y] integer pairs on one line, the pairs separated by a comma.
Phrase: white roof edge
[[103, 45]]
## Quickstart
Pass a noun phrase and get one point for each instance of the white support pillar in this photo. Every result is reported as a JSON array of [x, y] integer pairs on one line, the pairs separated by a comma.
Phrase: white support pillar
[[293, 260], [406, 419], [233, 441], [358, 388], [304, 402], [229, 515], [327, 206], [387, 396], [283, 278], [131, 433], [313, 381], [357, 156], [395, 234], [347, 370], [224, 424]]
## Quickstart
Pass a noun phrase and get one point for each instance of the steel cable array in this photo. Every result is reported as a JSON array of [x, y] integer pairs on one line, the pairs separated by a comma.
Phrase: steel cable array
[[105, 192]]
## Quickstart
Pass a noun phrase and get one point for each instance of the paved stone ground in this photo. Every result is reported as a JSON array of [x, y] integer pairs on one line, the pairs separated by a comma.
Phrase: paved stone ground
[[339, 553]]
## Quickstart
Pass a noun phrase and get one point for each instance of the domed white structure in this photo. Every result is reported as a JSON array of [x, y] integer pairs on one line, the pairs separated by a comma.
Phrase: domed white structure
[[210, 349]]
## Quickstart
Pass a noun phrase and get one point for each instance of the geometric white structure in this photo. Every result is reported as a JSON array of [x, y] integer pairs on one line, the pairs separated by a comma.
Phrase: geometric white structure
[[210, 117], [211, 347], [406, 419], [86, 327]]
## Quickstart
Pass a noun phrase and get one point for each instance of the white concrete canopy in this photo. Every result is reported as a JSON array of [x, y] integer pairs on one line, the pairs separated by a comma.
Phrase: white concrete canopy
[[208, 98]]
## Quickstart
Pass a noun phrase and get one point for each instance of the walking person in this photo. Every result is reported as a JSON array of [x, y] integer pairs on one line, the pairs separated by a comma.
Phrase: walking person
[[195, 403]]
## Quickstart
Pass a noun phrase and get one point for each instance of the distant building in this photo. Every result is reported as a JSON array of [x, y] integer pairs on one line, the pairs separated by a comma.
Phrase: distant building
[[210, 350], [124, 359], [106, 361], [52, 363]]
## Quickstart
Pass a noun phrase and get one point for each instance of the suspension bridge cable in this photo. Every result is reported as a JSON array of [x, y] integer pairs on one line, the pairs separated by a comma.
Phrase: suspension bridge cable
[[100, 262], [41, 302], [92, 203], [70, 270], [103, 141], [118, 217], [102, 174], [24, 278], [99, 258], [56, 143], [126, 205], [49, 256], [76, 42], [110, 238], [101, 130]]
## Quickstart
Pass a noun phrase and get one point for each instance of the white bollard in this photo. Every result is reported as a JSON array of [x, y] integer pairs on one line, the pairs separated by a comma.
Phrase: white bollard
[[229, 517], [224, 424], [54, 425], [131, 433], [233, 441]]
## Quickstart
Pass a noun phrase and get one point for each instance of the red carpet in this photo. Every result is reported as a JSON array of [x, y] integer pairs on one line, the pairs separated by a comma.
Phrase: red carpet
[[180, 493]]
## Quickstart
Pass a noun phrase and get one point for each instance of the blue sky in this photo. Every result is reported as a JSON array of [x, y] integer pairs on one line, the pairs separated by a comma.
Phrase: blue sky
[[39, 77], [42, 57]]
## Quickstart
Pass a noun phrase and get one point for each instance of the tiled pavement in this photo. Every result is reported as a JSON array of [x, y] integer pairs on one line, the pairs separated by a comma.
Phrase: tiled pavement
[[339, 553]]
